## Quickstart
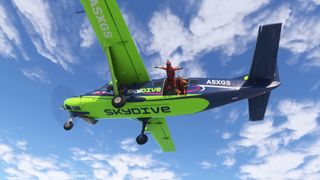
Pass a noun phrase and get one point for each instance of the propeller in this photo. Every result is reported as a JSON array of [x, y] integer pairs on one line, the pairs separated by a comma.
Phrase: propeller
[[60, 94]]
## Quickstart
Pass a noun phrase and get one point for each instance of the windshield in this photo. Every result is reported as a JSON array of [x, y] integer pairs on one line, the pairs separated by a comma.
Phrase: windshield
[[106, 90]]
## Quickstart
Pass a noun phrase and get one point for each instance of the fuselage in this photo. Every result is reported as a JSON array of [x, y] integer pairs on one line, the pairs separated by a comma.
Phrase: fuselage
[[150, 99]]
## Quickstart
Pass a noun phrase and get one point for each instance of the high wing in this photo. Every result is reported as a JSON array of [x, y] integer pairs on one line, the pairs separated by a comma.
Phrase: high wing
[[126, 65], [159, 129]]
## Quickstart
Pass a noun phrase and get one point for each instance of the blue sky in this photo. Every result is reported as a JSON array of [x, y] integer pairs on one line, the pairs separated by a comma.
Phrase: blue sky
[[44, 45]]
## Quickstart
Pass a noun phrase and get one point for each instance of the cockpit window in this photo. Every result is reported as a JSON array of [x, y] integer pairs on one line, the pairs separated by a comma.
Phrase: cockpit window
[[106, 90]]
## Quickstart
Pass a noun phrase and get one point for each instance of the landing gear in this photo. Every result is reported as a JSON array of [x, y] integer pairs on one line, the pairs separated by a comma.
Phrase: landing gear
[[142, 138], [69, 124], [118, 101]]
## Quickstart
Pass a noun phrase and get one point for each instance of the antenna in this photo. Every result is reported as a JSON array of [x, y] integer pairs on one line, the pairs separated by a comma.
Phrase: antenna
[[80, 12]]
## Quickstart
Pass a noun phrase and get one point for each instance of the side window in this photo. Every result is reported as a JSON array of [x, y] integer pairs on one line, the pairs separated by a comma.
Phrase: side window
[[193, 82], [157, 83]]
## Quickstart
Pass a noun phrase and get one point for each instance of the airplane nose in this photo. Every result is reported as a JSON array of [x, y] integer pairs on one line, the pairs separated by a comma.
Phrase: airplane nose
[[72, 104]]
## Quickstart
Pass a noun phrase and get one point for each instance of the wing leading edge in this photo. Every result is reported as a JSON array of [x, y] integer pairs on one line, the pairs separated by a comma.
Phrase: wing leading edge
[[126, 65], [159, 130]]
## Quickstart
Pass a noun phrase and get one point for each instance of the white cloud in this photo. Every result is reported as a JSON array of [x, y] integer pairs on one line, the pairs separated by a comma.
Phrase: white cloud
[[86, 34], [36, 74], [44, 32], [269, 141], [233, 116], [277, 166], [226, 135], [302, 117], [210, 28], [6, 153], [22, 144], [206, 165], [121, 166], [129, 145], [6, 48], [9, 36], [18, 163], [168, 34], [229, 161]]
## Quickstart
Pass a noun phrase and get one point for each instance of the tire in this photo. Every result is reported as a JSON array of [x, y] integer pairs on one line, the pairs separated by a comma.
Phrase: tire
[[118, 101], [68, 125], [142, 139]]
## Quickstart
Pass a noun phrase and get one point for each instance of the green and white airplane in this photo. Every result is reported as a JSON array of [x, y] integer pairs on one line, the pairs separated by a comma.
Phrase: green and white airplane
[[132, 94]]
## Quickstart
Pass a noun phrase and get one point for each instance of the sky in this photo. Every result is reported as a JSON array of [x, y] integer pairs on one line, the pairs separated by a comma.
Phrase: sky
[[45, 44]]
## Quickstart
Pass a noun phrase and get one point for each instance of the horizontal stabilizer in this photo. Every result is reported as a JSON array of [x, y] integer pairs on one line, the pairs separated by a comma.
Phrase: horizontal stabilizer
[[258, 106]]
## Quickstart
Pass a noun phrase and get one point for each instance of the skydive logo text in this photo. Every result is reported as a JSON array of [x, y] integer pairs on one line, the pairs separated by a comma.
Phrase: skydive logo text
[[137, 111], [144, 90]]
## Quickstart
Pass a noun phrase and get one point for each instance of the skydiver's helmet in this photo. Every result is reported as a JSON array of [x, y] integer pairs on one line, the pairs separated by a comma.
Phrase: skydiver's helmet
[[168, 63]]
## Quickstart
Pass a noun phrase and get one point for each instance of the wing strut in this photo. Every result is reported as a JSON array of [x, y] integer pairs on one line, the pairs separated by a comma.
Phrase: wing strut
[[113, 76]]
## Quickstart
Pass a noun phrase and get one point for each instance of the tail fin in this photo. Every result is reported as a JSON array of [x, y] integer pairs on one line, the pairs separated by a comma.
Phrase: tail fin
[[263, 68]]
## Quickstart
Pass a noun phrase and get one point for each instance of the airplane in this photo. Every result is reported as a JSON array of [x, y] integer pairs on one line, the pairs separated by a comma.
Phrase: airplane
[[132, 94]]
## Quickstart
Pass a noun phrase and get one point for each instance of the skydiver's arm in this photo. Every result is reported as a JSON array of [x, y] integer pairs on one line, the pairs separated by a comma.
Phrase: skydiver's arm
[[161, 67], [177, 68]]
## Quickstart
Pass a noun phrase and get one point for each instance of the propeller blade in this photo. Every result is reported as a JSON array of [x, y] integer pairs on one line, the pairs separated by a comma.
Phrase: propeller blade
[[59, 95]]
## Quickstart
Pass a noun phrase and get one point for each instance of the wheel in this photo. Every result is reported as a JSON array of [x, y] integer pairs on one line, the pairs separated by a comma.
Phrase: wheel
[[68, 125], [118, 101], [142, 139]]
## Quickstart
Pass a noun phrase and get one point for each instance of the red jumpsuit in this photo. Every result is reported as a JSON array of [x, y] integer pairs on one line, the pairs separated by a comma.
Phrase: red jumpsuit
[[170, 81]]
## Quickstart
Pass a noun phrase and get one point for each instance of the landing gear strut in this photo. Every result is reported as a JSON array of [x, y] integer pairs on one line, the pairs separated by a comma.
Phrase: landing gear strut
[[142, 138], [69, 124]]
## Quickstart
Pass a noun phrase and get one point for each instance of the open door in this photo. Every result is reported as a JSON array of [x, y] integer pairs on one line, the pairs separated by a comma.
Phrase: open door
[[178, 86]]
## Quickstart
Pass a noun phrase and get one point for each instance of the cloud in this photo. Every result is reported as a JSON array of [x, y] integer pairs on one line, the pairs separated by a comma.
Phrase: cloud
[[36, 74], [129, 145], [302, 118], [86, 34], [233, 116], [22, 144], [270, 140], [9, 36], [19, 163], [123, 165], [206, 165], [229, 161], [45, 31], [275, 166], [229, 30], [226, 135], [211, 28]]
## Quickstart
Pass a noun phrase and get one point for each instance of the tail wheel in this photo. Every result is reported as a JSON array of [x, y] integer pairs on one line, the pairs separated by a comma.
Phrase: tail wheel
[[118, 101]]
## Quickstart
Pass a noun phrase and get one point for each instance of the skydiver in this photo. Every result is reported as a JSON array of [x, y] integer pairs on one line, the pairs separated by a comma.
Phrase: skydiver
[[181, 86], [170, 81]]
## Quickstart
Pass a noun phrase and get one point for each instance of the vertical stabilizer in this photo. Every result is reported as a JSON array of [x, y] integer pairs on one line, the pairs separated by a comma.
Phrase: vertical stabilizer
[[264, 64], [264, 68]]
